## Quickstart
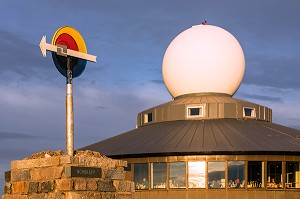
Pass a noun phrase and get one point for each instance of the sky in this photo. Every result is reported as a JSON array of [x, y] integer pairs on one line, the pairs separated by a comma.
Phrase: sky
[[129, 39]]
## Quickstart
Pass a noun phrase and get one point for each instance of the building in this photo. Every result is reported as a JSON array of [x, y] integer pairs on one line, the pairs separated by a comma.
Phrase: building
[[205, 143]]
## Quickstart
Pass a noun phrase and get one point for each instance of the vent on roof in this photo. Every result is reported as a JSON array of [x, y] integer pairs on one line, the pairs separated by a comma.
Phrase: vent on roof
[[249, 112]]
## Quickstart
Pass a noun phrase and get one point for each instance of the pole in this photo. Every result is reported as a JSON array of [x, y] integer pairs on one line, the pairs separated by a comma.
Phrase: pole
[[69, 111]]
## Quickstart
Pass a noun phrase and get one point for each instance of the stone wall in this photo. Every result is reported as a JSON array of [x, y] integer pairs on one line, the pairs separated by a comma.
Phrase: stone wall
[[53, 175]]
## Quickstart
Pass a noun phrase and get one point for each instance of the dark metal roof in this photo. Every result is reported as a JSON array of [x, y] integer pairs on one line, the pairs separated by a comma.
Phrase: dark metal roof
[[218, 136]]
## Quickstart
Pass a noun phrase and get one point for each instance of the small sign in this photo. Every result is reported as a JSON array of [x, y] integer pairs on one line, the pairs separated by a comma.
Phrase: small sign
[[84, 172]]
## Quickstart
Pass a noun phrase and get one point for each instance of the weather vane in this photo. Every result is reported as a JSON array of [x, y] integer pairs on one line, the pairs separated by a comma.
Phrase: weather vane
[[70, 56]]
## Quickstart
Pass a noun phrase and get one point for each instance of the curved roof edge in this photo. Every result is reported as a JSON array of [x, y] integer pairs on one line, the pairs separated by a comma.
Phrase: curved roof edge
[[218, 136], [295, 153]]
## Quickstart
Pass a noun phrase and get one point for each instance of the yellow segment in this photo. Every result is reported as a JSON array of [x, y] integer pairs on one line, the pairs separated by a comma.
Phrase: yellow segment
[[74, 33]]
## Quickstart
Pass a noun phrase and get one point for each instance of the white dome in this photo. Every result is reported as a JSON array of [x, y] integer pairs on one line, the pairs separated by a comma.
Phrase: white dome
[[203, 58]]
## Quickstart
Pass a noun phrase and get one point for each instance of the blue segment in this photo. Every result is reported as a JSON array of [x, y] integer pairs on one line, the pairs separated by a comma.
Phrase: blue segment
[[78, 65]]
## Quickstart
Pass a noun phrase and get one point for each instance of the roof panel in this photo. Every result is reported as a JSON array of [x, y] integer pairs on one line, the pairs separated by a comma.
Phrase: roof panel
[[200, 137]]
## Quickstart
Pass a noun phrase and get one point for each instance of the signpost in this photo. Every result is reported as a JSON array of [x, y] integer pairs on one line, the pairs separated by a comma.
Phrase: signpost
[[70, 56], [64, 51]]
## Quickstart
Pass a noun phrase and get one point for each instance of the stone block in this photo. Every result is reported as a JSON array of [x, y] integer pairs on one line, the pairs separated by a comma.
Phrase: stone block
[[19, 187], [38, 196], [125, 196], [55, 195], [46, 173], [45, 154], [15, 197], [7, 188], [124, 186], [7, 176], [46, 186], [20, 175], [91, 185], [83, 195], [121, 163], [108, 195], [129, 176], [114, 174], [80, 184], [75, 161], [31, 163], [105, 186], [64, 184], [89, 161], [33, 187], [52, 195], [65, 160]]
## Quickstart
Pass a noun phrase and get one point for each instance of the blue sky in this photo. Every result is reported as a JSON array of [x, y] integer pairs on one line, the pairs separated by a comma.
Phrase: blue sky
[[130, 38]]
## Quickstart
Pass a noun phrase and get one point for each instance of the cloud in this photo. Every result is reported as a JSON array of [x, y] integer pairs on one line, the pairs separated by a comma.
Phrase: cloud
[[9, 154], [261, 97], [272, 71], [20, 58], [100, 107], [295, 123], [295, 126], [9, 135], [158, 81], [295, 119]]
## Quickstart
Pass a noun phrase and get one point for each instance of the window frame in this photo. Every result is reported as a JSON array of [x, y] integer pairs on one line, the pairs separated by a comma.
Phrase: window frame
[[146, 117], [253, 112], [201, 111]]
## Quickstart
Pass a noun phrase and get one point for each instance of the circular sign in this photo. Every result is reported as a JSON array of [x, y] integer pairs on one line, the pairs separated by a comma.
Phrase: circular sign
[[71, 38]]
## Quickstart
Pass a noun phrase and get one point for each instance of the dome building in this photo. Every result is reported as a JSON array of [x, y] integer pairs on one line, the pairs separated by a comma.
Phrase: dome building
[[205, 143]]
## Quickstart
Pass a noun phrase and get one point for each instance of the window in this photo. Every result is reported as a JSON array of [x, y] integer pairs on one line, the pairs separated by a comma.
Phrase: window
[[148, 117], [236, 177], [292, 175], [249, 112], [158, 175], [274, 171], [255, 174], [141, 176], [196, 175], [177, 175], [128, 168], [195, 111], [216, 174]]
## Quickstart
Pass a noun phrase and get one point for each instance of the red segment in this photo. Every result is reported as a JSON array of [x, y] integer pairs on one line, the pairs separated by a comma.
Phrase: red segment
[[67, 40]]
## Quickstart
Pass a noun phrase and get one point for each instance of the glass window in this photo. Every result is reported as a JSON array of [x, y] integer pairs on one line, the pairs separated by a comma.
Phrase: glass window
[[177, 175], [195, 111], [158, 175], [216, 174], [292, 175], [196, 175], [274, 170], [149, 117], [249, 112], [236, 177], [255, 174], [141, 176]]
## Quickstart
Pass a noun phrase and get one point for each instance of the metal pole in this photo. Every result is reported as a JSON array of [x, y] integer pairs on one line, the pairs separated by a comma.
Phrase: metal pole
[[69, 111]]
